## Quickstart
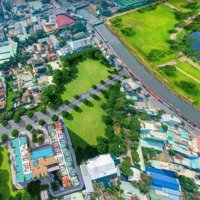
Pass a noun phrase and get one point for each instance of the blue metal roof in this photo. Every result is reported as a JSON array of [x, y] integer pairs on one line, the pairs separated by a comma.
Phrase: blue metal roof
[[163, 179]]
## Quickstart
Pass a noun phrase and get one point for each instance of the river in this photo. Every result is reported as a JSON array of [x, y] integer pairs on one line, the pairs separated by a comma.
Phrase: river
[[143, 74]]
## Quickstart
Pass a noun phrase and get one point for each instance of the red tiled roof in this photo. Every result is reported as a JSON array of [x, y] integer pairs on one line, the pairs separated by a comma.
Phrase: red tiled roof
[[1, 104], [198, 143], [63, 20], [2, 91], [58, 126], [65, 181]]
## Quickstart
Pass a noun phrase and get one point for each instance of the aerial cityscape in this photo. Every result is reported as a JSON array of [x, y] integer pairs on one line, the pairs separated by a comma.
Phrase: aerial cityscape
[[100, 99]]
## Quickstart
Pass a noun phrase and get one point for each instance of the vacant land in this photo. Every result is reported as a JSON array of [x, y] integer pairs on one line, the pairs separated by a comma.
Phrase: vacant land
[[85, 126], [150, 29], [90, 73], [5, 175]]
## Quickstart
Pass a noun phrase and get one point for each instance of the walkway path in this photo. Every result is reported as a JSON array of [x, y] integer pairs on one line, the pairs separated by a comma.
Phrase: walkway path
[[188, 74], [47, 116]]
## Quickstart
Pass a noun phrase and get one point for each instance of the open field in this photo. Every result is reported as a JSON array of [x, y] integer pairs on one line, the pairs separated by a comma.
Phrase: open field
[[85, 126], [90, 72], [189, 69], [5, 175], [151, 29], [193, 93], [146, 33], [179, 4]]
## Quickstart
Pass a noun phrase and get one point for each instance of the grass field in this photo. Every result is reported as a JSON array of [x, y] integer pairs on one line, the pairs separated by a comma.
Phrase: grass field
[[179, 4], [171, 82], [151, 29], [86, 125], [5, 175], [90, 73], [189, 69]]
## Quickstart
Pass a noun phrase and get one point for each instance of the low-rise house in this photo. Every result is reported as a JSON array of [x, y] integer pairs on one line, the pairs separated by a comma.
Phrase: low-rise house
[[164, 182], [130, 85], [170, 120], [2, 36], [54, 41], [130, 192], [7, 50]]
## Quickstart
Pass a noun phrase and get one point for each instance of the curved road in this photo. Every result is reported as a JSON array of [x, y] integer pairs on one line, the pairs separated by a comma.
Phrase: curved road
[[146, 76]]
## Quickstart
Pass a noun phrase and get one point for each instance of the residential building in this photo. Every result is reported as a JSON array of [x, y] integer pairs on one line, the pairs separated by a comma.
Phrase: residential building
[[2, 36], [164, 182], [170, 120], [79, 44], [99, 169], [54, 41], [7, 50]]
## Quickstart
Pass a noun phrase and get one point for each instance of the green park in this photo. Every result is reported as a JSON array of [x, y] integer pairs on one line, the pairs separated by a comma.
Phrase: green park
[[158, 35], [90, 72], [86, 125]]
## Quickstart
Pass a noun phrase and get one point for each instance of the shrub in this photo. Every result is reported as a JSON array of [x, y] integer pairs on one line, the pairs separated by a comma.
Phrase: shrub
[[85, 101], [67, 102], [64, 113], [15, 133], [155, 55], [188, 87], [128, 31], [54, 118], [17, 118], [169, 71], [102, 82], [110, 77], [30, 114], [41, 122], [4, 137], [94, 87], [28, 127], [76, 108], [4, 122], [76, 96]]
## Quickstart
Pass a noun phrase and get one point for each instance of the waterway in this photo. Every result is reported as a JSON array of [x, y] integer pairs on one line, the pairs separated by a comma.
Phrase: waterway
[[142, 73]]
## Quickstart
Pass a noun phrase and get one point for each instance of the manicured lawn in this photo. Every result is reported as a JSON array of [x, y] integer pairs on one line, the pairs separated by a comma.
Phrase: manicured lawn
[[151, 29], [86, 125], [90, 73], [5, 175], [189, 69], [179, 4]]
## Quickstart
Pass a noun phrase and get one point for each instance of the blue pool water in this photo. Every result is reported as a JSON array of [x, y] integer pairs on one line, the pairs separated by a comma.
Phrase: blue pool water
[[35, 163], [42, 153]]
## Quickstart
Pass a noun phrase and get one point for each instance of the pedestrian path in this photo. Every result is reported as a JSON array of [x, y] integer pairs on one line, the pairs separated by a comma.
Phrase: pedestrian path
[[47, 115]]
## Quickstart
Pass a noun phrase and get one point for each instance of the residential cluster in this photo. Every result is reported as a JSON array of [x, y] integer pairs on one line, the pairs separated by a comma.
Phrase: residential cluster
[[53, 159], [32, 45]]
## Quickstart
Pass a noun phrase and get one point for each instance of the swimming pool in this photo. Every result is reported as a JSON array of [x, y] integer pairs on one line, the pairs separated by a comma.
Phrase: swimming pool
[[42, 153]]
